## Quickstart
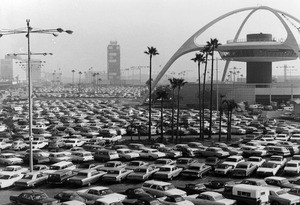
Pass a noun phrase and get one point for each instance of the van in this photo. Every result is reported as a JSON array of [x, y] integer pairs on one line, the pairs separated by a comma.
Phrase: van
[[61, 166], [247, 194], [106, 155]]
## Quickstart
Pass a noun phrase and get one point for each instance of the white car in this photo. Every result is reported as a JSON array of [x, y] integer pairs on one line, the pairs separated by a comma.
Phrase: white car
[[282, 137], [258, 161], [15, 169], [174, 200], [18, 145], [74, 142], [97, 192], [292, 167], [210, 197], [277, 159], [39, 144], [233, 160], [82, 156], [127, 154], [160, 188], [9, 159], [4, 145], [268, 169], [151, 154], [7, 179]]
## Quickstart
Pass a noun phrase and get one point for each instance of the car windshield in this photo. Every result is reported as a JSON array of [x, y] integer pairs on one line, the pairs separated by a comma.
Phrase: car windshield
[[243, 166], [222, 166], [140, 170], [275, 159], [54, 167], [27, 176], [281, 192], [168, 187], [134, 164], [253, 159], [80, 174], [2, 176], [160, 162], [182, 161], [10, 169], [291, 165], [268, 165], [110, 165], [113, 172], [165, 169], [231, 160]]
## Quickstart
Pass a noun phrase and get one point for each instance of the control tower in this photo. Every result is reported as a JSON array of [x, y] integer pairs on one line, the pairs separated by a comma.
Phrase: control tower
[[258, 51]]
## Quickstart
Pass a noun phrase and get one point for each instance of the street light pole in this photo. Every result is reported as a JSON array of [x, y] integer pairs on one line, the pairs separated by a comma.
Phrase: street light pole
[[29, 30]]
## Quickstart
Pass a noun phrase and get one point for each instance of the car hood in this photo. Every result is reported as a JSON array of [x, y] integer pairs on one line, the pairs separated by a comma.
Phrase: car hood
[[227, 201], [291, 197]]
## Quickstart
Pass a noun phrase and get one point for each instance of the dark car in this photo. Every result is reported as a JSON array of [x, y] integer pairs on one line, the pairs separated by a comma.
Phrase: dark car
[[33, 198], [212, 161], [69, 196], [133, 194], [218, 185], [60, 176], [193, 188], [147, 201]]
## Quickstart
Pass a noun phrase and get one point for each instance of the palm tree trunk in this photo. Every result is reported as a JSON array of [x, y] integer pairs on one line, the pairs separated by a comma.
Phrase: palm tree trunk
[[228, 126], [150, 98], [178, 110], [230, 118], [161, 120], [203, 95], [211, 94], [172, 120], [199, 88]]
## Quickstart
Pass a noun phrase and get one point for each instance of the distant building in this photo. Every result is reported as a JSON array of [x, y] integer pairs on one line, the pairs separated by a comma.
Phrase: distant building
[[113, 63], [12, 70]]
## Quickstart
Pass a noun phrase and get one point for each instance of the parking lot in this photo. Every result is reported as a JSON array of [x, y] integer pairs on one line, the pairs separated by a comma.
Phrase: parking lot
[[63, 123]]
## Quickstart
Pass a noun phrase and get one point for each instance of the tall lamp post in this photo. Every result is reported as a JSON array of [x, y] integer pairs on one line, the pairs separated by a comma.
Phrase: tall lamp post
[[28, 30]]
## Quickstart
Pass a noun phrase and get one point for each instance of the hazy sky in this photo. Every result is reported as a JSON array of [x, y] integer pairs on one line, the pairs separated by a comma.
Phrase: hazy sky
[[135, 24]]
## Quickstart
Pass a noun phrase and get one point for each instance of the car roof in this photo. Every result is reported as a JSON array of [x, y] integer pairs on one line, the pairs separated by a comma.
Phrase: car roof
[[99, 188], [161, 183]]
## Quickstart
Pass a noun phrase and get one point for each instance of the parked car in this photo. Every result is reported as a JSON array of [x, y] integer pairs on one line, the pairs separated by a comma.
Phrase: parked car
[[127, 154], [10, 159], [280, 182], [196, 170], [86, 177], [163, 161], [258, 161], [292, 167], [277, 159], [31, 179], [170, 152], [160, 189], [136, 164], [69, 196], [7, 179], [142, 173], [81, 156], [60, 177], [94, 193], [184, 162], [233, 160], [214, 152], [110, 165], [167, 172], [268, 169], [33, 197], [223, 169], [283, 197], [116, 175], [151, 154], [210, 197], [174, 200], [244, 169], [193, 188]]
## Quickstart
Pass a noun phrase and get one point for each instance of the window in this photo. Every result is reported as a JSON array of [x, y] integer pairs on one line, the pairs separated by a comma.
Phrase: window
[[242, 193]]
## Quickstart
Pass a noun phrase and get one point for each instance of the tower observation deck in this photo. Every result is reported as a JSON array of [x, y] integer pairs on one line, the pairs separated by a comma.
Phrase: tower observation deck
[[258, 51]]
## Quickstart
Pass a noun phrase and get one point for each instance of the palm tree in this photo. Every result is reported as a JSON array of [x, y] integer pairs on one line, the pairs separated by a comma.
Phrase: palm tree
[[173, 83], [199, 58], [80, 73], [212, 45], [230, 106], [180, 83], [162, 93], [73, 71], [207, 52], [151, 52]]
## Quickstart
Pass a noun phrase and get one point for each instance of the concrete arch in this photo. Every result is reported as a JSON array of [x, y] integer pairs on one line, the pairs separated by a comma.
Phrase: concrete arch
[[290, 40], [190, 45]]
